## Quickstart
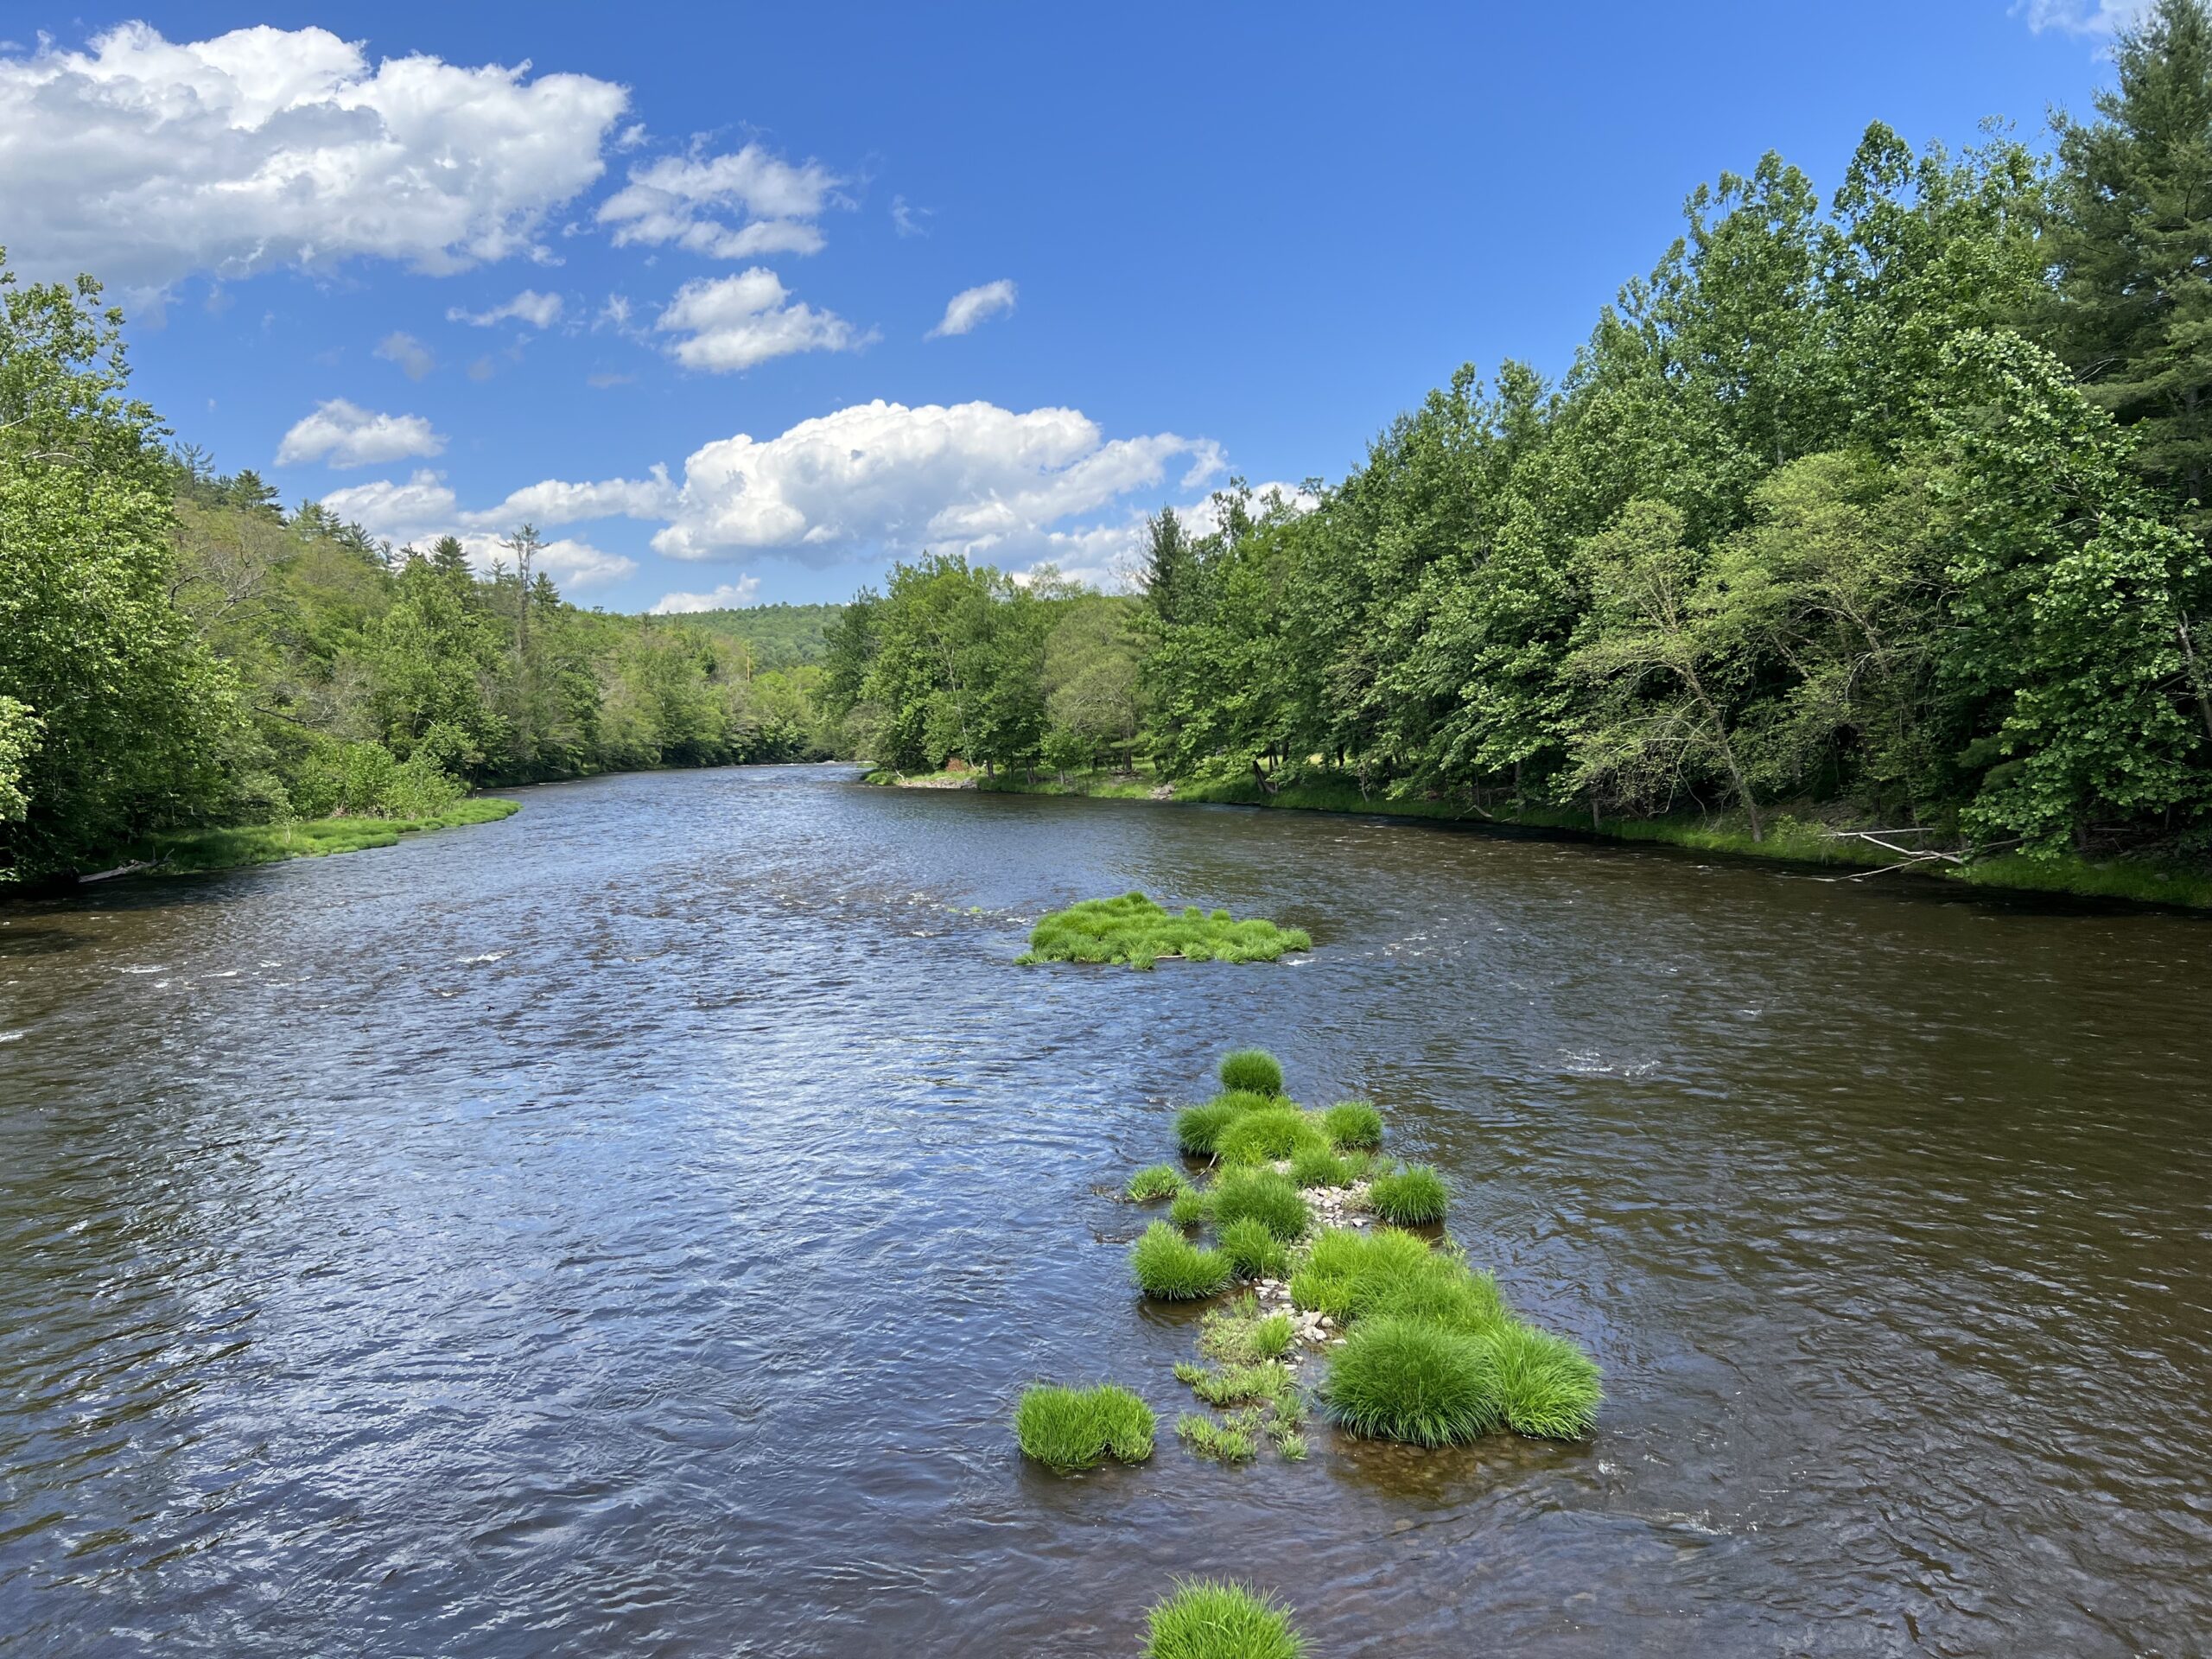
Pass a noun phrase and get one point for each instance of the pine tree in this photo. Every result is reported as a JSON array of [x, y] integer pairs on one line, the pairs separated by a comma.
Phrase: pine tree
[[2133, 240]]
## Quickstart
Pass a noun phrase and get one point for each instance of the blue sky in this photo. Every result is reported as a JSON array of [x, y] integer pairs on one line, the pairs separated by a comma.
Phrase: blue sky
[[682, 290]]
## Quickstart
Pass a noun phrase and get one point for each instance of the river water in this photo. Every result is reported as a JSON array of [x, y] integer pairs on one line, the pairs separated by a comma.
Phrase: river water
[[625, 1228]]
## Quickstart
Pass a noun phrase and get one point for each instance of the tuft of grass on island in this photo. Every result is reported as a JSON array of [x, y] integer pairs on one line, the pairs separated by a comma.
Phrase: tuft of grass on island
[[191, 851], [1135, 930], [1324, 1250]]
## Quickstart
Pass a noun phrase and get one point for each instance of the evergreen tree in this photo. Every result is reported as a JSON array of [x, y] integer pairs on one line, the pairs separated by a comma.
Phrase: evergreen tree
[[2131, 245]]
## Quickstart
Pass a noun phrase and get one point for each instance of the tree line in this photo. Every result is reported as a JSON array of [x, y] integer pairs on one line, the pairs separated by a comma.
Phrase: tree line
[[176, 650], [1891, 505]]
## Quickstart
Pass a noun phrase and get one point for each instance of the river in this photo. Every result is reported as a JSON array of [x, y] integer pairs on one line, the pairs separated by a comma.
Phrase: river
[[625, 1228]]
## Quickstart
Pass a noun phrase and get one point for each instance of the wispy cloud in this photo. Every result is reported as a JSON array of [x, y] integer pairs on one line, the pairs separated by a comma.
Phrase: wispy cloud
[[972, 305]]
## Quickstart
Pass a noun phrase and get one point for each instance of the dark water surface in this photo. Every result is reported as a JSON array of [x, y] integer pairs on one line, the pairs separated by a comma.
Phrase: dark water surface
[[624, 1229]]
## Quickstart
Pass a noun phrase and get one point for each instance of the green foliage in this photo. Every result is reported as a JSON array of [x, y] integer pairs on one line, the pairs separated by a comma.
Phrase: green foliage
[[1254, 1249], [1271, 1132], [1261, 1195], [1407, 1197], [271, 843], [1250, 1070], [1154, 1182], [1547, 1387], [1352, 1123], [1401, 1379], [1168, 1266], [779, 636], [1078, 1429], [118, 719], [2131, 236], [1135, 930], [1206, 1619]]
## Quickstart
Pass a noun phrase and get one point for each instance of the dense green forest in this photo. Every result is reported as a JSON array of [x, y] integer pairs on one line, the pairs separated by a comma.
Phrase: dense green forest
[[174, 650], [776, 635], [1884, 508]]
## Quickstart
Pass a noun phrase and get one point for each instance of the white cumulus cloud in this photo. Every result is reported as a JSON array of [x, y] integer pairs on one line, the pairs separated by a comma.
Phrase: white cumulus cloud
[[971, 305], [557, 501], [539, 310], [728, 323], [142, 160], [971, 478], [730, 596], [424, 507], [743, 206], [346, 434]]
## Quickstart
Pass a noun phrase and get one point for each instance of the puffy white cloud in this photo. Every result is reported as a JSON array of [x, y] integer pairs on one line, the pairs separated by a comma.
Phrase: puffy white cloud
[[556, 501], [691, 200], [971, 305], [425, 508], [730, 596], [346, 434], [2082, 17], [142, 160], [397, 513], [730, 323], [539, 310], [972, 478], [412, 356]]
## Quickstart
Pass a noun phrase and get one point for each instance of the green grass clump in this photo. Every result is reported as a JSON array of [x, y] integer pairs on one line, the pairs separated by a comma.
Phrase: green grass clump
[[1077, 1428], [1190, 1207], [1154, 1182], [1406, 1380], [1318, 1166], [1251, 1072], [1447, 1293], [1241, 1335], [1168, 1265], [1259, 1195], [1262, 1137], [1352, 1123], [1135, 930], [1407, 1197], [1234, 1440], [1235, 1385], [1346, 1270], [1254, 1251], [1548, 1387], [1206, 1619], [1197, 1128]]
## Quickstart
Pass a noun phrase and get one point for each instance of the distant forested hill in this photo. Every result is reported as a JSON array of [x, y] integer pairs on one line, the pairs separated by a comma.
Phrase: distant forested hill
[[779, 636]]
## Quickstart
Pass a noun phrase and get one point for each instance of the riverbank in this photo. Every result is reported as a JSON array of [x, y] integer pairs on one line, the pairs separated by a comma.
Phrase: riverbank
[[1787, 840], [185, 851]]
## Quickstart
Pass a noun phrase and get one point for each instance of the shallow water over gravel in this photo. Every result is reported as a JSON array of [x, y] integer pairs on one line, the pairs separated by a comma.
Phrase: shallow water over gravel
[[624, 1228]]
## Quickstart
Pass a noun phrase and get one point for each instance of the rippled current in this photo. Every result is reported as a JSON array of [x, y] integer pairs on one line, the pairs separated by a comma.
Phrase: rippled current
[[624, 1229]]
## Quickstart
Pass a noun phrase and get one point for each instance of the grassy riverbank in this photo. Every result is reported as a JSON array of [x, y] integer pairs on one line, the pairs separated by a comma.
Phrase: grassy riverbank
[[271, 843], [1787, 839]]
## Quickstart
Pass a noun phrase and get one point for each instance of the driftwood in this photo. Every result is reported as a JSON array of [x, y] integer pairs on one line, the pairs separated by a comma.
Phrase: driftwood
[[1907, 857]]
